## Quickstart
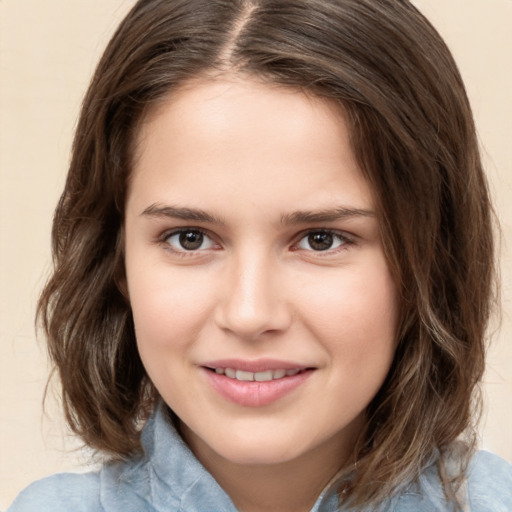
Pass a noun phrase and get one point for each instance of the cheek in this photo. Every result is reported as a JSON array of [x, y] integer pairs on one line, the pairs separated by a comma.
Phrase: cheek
[[355, 314], [169, 308]]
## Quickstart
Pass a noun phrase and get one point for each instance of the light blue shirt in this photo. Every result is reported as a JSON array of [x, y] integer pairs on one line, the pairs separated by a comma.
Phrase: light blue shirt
[[168, 478]]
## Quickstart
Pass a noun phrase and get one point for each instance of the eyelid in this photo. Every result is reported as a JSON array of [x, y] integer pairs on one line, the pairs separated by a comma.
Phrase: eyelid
[[347, 240], [164, 237]]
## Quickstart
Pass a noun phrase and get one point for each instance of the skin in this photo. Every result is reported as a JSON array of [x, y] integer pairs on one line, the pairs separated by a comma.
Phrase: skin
[[252, 155]]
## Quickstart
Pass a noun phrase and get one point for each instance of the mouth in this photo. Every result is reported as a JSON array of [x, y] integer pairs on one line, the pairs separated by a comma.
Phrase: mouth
[[256, 383], [260, 376]]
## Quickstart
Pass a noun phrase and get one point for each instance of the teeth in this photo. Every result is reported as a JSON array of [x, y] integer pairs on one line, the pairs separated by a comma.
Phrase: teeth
[[264, 376], [229, 372], [241, 375]]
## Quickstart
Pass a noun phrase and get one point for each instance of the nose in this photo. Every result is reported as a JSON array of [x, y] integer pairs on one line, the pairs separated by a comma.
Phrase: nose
[[254, 301]]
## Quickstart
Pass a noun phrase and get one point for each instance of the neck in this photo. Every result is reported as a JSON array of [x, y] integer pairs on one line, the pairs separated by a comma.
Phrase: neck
[[290, 486]]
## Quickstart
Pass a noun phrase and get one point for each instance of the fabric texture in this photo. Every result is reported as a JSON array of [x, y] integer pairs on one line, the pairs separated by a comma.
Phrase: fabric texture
[[168, 478]]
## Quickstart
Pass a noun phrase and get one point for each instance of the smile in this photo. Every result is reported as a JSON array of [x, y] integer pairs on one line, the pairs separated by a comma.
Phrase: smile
[[262, 376], [255, 384]]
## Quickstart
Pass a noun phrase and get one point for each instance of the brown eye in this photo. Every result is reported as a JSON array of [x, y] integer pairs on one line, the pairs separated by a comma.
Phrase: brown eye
[[189, 240], [322, 240]]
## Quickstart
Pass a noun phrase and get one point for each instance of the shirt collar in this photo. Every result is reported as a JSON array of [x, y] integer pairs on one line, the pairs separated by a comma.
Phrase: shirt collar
[[169, 477]]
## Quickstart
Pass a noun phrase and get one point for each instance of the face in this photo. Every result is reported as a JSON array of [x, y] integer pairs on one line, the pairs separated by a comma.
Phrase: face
[[264, 308]]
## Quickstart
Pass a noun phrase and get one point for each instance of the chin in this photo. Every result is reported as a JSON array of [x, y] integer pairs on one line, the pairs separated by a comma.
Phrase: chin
[[260, 448], [254, 447], [258, 455]]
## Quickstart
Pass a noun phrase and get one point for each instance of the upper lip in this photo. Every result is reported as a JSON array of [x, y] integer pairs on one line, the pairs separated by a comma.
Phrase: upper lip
[[258, 365]]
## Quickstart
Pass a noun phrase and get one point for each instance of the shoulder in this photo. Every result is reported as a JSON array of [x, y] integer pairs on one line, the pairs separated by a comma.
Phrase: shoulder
[[60, 493], [489, 483], [487, 487]]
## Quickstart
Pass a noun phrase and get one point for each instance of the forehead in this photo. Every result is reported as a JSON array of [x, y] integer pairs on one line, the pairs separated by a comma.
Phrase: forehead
[[232, 134], [205, 106]]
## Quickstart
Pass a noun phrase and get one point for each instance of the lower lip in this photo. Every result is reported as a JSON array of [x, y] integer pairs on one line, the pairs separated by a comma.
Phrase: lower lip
[[253, 393]]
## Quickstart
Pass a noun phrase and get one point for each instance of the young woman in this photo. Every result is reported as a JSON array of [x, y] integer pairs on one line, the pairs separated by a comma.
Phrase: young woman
[[274, 266]]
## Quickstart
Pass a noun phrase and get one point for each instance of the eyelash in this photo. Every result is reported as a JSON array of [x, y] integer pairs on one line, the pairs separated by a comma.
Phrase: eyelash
[[344, 240], [184, 252]]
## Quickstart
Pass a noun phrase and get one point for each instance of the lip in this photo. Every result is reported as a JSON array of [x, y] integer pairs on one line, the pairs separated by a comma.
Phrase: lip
[[258, 365], [254, 393]]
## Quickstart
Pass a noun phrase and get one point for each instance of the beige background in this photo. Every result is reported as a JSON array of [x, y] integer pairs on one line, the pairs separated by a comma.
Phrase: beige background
[[48, 50]]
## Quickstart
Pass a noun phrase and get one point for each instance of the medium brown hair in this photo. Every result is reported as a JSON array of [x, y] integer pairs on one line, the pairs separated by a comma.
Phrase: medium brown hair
[[414, 136]]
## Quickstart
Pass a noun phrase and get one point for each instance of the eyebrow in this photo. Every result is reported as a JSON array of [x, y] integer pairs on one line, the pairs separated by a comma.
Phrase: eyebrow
[[328, 215], [174, 212], [297, 217]]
